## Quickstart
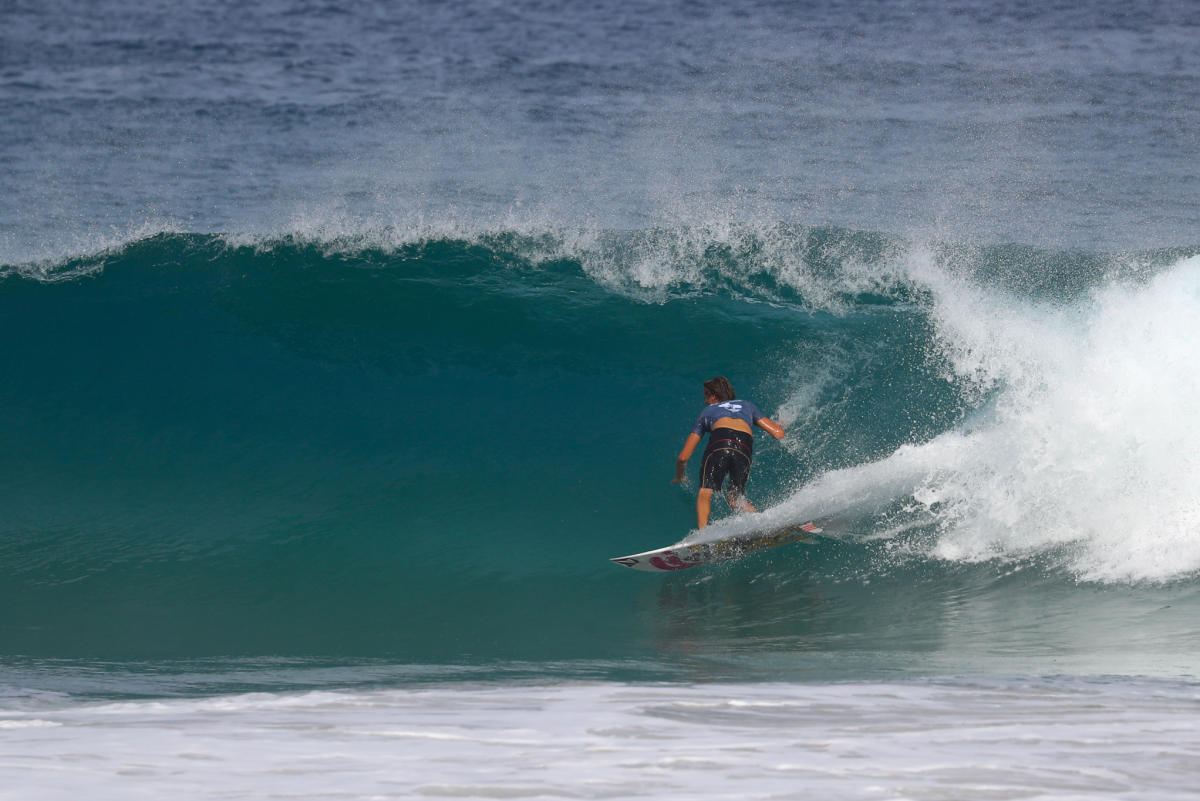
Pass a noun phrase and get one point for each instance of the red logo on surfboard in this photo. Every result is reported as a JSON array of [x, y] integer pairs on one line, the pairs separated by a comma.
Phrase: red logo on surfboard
[[670, 561]]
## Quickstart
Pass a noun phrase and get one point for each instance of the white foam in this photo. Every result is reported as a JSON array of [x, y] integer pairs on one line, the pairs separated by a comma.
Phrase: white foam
[[1095, 440], [28, 724], [1089, 453], [1026, 739]]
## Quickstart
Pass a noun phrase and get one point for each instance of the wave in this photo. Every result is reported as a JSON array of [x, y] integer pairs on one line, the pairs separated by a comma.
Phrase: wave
[[286, 444]]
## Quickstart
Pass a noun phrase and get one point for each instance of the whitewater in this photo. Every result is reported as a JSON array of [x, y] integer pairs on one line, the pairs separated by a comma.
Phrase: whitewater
[[860, 741]]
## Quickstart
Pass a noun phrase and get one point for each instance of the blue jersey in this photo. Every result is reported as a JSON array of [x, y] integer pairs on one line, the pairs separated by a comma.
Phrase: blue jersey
[[738, 409]]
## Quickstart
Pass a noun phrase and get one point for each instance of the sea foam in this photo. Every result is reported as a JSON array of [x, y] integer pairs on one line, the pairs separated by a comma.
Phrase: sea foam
[[1085, 449]]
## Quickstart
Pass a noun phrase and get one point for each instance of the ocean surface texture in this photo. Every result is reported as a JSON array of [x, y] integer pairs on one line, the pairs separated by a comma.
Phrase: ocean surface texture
[[343, 343]]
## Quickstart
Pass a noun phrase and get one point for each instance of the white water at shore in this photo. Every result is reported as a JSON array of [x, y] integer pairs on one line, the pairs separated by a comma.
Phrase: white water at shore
[[1030, 739]]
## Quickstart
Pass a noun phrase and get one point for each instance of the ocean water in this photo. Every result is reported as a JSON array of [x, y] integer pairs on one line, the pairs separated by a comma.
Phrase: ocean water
[[343, 343]]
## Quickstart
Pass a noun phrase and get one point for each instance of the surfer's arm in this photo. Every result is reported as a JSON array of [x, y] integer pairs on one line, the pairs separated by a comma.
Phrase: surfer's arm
[[689, 447], [770, 426]]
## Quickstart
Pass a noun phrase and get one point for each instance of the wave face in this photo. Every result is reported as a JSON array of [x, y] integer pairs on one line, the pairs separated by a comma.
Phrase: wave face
[[424, 449]]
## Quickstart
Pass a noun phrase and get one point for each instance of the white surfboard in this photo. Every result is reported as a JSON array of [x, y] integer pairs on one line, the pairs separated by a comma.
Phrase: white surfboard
[[683, 555]]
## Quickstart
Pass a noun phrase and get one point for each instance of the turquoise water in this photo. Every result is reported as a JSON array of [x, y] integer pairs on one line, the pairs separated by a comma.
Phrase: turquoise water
[[425, 454]]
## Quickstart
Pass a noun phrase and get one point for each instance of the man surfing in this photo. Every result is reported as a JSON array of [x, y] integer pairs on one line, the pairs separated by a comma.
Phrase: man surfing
[[729, 421]]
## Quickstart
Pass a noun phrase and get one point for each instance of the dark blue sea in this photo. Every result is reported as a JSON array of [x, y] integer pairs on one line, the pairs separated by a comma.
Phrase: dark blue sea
[[342, 344]]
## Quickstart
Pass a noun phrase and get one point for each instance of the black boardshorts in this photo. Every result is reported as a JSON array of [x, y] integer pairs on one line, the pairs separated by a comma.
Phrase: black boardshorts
[[728, 455]]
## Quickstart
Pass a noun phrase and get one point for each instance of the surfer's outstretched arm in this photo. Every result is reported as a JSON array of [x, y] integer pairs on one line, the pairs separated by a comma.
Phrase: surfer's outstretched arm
[[770, 426], [689, 447]]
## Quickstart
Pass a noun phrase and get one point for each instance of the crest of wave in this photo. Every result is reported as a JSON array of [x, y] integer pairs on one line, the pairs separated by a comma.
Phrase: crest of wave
[[819, 267], [77, 254]]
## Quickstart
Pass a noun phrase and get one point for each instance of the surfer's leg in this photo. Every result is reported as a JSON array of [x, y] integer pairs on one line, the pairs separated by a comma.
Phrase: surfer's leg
[[712, 476], [739, 502], [703, 507], [739, 474]]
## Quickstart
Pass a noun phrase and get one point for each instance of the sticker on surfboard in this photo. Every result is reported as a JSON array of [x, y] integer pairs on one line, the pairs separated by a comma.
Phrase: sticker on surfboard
[[683, 555]]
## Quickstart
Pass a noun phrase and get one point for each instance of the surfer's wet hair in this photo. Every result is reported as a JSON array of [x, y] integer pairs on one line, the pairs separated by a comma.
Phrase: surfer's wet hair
[[720, 388]]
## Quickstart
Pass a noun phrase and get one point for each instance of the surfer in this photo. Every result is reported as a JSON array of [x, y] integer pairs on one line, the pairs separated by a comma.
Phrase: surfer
[[730, 422]]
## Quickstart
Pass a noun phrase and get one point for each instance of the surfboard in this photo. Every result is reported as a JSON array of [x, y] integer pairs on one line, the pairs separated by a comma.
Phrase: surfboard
[[683, 555]]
